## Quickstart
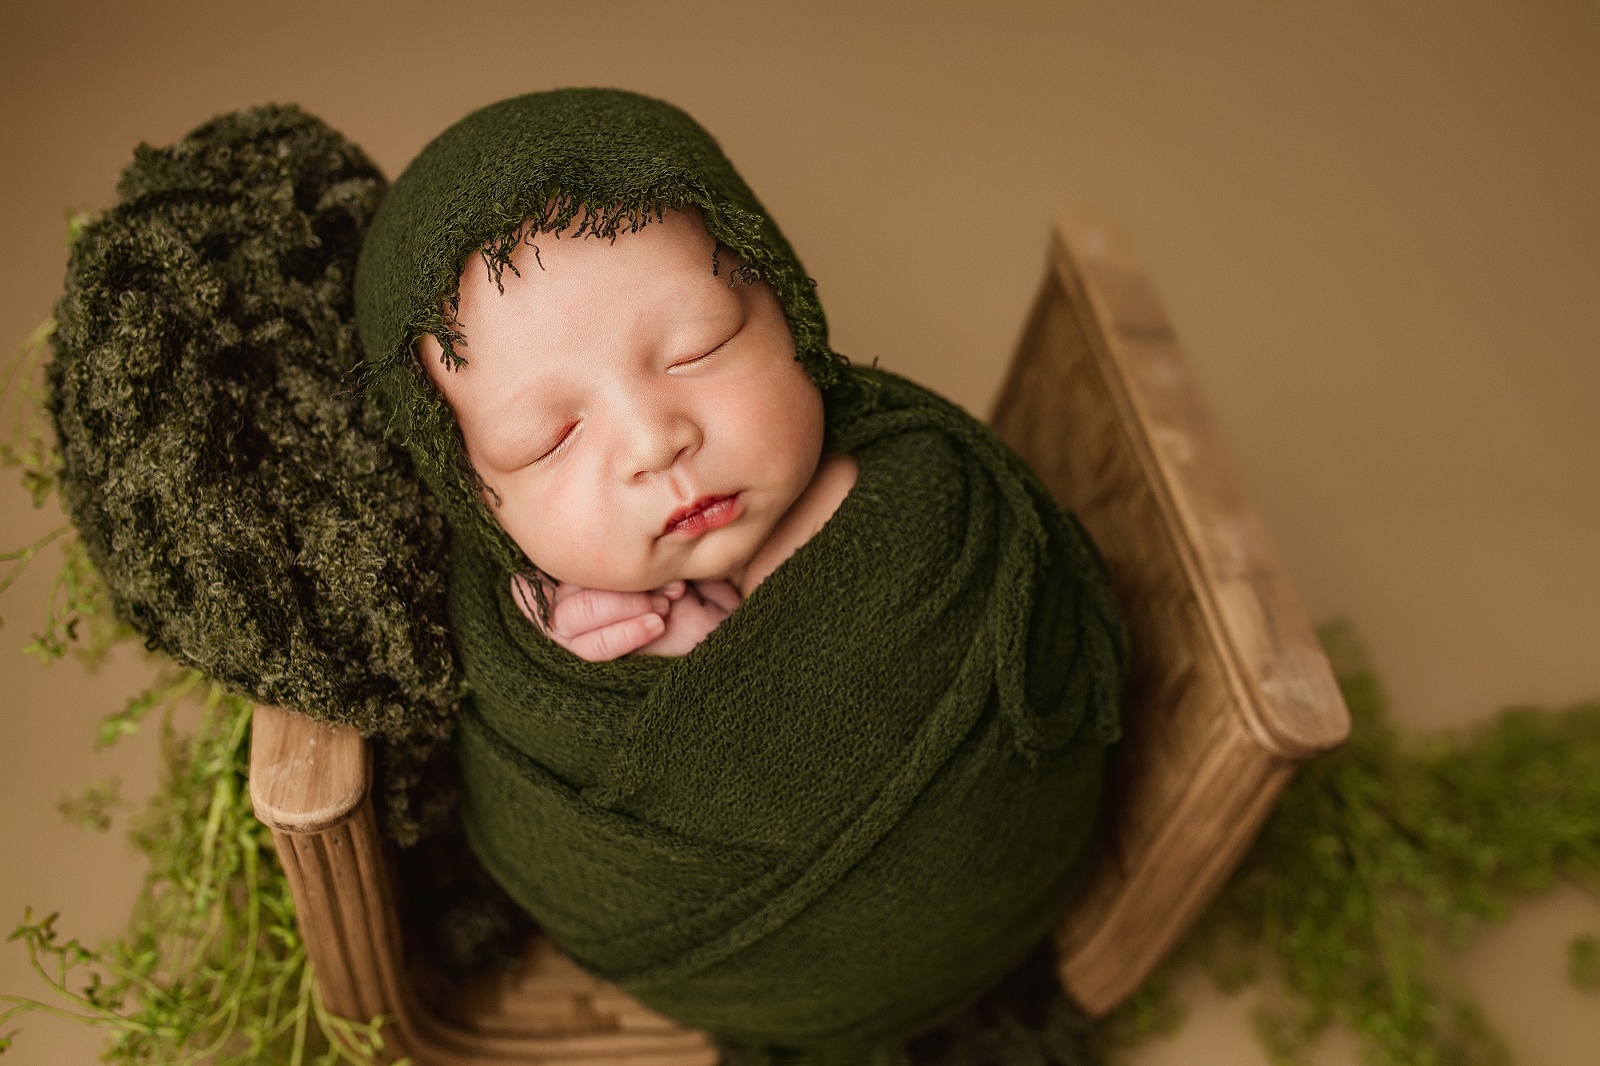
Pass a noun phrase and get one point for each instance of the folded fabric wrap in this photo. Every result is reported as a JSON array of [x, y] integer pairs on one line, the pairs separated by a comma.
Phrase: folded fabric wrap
[[860, 800]]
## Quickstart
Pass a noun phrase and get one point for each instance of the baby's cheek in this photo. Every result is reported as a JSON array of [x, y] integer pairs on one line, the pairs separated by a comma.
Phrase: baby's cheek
[[573, 537], [599, 564], [780, 424]]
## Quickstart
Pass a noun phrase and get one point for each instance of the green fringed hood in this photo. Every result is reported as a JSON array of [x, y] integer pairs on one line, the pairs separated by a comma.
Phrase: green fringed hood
[[605, 159]]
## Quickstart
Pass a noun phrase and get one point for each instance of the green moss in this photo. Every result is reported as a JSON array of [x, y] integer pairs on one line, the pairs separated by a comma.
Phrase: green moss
[[1384, 856]]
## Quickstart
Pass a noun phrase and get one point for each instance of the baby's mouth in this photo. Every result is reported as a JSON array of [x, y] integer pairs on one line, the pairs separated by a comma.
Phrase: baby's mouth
[[706, 513]]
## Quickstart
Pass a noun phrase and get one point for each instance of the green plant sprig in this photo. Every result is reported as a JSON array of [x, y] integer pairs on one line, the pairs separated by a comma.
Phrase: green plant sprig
[[27, 443], [203, 971], [78, 615], [1379, 860], [212, 968], [91, 809]]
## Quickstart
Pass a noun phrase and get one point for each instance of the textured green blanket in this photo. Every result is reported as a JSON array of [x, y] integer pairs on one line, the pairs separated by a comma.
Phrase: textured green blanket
[[860, 800]]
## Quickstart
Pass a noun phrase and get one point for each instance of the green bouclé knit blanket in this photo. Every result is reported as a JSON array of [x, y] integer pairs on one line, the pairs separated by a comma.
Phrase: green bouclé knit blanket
[[864, 796]]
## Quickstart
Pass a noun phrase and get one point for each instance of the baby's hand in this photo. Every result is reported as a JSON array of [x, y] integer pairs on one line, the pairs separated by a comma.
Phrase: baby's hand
[[696, 610], [596, 624], [599, 625]]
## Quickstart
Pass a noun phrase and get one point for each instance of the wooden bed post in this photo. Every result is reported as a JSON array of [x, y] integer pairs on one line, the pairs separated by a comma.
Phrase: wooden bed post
[[1230, 689], [311, 785]]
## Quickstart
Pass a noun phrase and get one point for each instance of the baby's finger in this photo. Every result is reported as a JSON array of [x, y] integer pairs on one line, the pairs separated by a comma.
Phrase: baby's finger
[[618, 639], [673, 590], [591, 609], [721, 593]]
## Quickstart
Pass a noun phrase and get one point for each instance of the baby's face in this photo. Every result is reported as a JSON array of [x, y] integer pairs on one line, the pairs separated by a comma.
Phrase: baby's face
[[636, 419]]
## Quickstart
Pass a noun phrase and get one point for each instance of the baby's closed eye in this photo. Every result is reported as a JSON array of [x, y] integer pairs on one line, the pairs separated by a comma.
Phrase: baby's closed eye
[[557, 441], [702, 359]]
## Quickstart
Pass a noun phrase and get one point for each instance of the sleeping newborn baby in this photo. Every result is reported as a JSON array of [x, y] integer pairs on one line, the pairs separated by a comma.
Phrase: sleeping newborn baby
[[789, 684], [651, 444]]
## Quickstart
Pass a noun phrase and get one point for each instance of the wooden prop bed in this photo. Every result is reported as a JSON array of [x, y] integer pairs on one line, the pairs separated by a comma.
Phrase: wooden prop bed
[[1230, 691]]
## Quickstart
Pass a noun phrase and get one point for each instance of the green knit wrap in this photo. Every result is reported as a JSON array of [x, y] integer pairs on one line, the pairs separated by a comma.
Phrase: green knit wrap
[[859, 801], [863, 797]]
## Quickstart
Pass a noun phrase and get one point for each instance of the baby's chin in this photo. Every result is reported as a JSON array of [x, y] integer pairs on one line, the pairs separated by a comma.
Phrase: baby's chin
[[722, 554], [703, 569], [721, 558]]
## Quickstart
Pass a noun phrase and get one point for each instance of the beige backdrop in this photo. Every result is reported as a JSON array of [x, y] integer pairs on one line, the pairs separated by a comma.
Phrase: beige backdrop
[[1375, 225]]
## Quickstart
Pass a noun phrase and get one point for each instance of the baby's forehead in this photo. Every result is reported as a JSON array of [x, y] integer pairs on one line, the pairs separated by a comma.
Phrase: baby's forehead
[[563, 294]]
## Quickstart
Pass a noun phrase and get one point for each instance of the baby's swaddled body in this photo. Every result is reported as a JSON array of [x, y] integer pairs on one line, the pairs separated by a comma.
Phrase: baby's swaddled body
[[839, 814], [836, 808]]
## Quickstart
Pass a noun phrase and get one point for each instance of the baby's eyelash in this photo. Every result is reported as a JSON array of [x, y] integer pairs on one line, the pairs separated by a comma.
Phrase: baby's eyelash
[[700, 358], [556, 447]]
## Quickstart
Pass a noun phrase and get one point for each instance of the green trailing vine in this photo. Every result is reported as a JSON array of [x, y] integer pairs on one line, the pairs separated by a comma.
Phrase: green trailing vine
[[1381, 859], [212, 967]]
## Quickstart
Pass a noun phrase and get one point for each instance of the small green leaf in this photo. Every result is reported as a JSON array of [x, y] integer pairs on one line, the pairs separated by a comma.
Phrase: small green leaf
[[1583, 962], [91, 809]]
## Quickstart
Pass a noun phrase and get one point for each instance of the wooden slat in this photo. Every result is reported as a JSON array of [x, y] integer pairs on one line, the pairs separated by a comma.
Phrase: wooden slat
[[1289, 698], [1109, 945], [549, 994], [1229, 687]]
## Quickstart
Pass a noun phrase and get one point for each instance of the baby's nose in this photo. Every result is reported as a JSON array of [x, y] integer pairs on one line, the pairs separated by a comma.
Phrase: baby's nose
[[659, 444]]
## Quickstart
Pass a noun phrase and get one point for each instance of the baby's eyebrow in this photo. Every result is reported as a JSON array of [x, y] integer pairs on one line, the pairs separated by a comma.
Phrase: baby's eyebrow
[[724, 317], [513, 403]]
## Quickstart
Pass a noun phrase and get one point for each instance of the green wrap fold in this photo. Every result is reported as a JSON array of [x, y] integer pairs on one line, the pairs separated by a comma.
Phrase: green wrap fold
[[863, 797], [855, 804]]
